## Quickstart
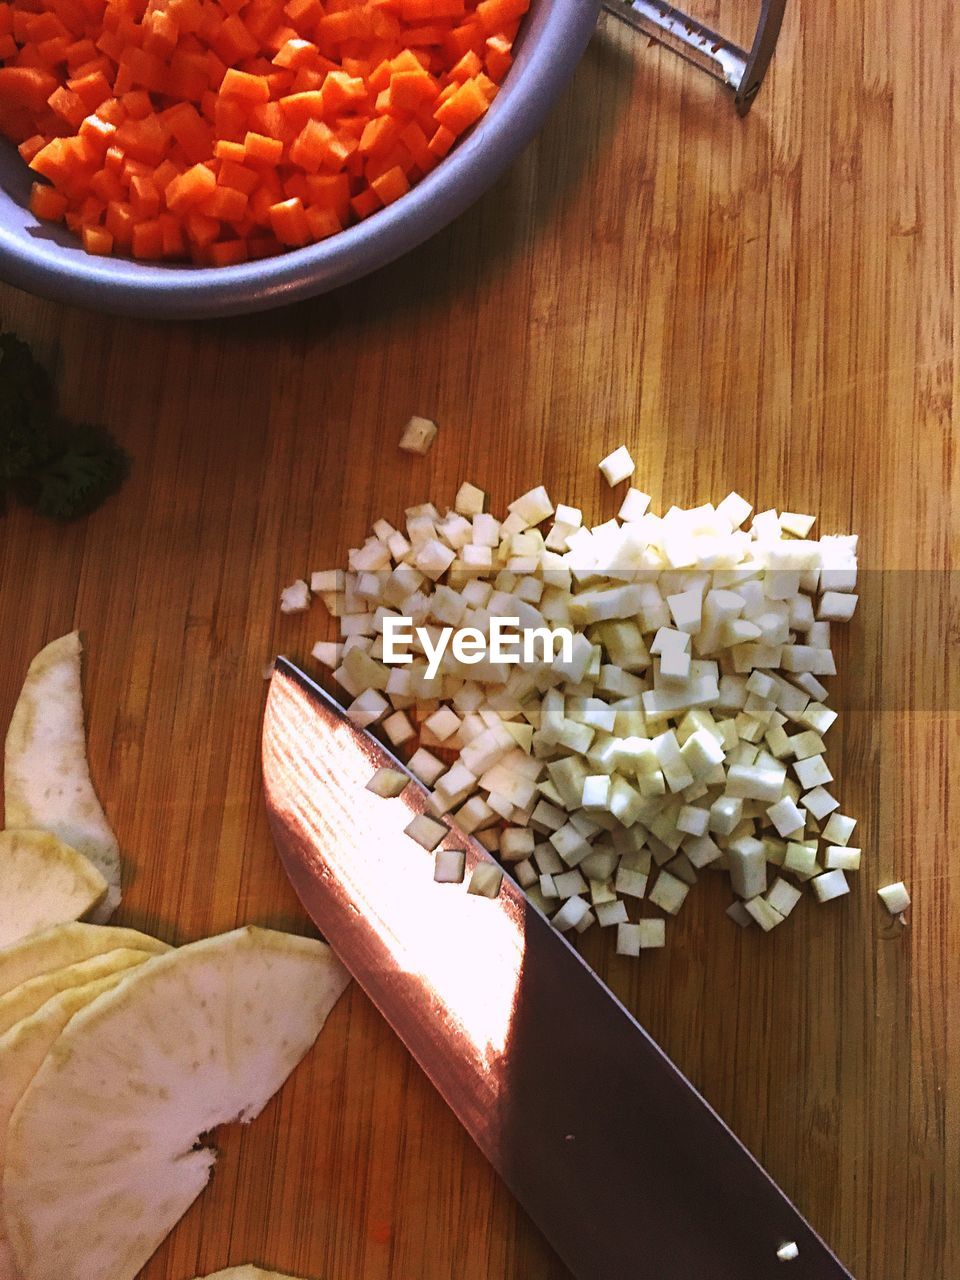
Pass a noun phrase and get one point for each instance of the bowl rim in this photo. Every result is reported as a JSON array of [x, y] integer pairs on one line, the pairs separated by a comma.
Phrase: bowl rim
[[550, 52]]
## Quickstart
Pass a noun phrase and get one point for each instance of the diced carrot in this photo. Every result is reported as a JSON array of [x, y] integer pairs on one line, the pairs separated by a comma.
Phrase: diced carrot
[[190, 189], [365, 203], [242, 85], [289, 223], [201, 230], [226, 204], [148, 239], [120, 223], [227, 253], [260, 148], [229, 151], [442, 141], [97, 240], [322, 222], [27, 87], [391, 185], [462, 108], [30, 146], [46, 202], [144, 197]]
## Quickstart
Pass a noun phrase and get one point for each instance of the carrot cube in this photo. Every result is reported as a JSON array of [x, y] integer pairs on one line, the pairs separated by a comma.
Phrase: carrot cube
[[289, 222], [47, 203], [97, 240]]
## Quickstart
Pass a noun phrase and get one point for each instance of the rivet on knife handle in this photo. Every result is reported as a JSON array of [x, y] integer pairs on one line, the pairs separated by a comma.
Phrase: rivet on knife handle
[[742, 70]]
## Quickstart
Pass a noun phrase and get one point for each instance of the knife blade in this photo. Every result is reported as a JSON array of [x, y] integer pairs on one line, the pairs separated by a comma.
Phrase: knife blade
[[626, 1169]]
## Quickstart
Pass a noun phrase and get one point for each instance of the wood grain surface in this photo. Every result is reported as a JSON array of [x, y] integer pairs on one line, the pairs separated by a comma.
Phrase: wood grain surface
[[766, 304]]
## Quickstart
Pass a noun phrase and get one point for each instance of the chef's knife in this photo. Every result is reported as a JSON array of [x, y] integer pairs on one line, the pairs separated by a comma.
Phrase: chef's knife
[[628, 1172]]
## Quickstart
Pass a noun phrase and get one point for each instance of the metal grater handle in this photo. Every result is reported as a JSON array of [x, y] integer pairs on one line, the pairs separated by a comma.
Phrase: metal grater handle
[[741, 70]]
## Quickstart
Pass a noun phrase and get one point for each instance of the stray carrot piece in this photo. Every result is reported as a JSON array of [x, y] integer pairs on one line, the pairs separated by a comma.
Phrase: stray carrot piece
[[242, 85], [48, 203], [262, 149], [97, 240], [289, 223]]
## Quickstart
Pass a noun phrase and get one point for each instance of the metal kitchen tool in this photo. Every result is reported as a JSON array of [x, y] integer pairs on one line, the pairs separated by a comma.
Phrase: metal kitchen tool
[[740, 69], [628, 1172]]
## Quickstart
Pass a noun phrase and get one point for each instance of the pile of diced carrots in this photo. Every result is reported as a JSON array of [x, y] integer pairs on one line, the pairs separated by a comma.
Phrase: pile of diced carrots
[[219, 131]]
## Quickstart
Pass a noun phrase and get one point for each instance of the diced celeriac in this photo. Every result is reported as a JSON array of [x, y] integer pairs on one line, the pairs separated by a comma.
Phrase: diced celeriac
[[686, 727], [895, 897], [418, 435], [387, 782], [295, 598]]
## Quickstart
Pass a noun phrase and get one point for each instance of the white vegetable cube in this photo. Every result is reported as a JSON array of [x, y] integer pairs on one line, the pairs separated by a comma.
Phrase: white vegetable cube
[[701, 754], [486, 880], [725, 814], [837, 606], [796, 524], [328, 653], [516, 843], [653, 934], [426, 831], [526, 874], [686, 608], [425, 766], [895, 897], [734, 510], [788, 1252], [434, 557], [675, 665], [693, 820], [596, 791], [748, 867], [668, 893], [469, 500], [801, 859], [674, 767], [830, 885], [387, 783], [366, 709], [839, 828], [617, 466], [548, 886], [532, 507], [766, 917], [786, 817], [812, 772], [818, 717], [443, 724], [398, 728], [701, 851], [634, 505], [570, 844], [610, 913], [570, 915], [841, 858], [418, 435], [820, 802], [327, 581], [629, 882], [569, 884], [783, 896], [756, 782], [295, 598], [448, 866], [628, 940], [486, 530]]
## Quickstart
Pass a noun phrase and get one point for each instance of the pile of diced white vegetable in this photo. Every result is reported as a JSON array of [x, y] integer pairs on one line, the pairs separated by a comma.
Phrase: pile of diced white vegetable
[[688, 732]]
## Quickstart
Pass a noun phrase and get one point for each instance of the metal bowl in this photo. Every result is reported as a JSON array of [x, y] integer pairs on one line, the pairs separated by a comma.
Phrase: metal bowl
[[46, 259]]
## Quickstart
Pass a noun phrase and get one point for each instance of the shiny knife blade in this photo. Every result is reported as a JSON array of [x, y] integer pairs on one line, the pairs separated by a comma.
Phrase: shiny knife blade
[[628, 1172]]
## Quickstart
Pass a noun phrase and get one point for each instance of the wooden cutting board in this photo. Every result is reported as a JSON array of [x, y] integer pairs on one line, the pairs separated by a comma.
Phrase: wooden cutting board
[[764, 304]]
